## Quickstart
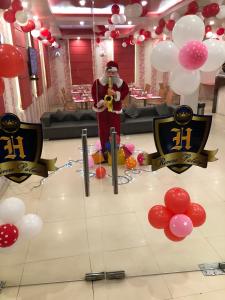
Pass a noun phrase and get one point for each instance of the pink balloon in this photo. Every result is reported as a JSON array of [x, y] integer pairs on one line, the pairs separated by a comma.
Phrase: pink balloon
[[130, 147], [181, 225], [140, 159], [193, 55], [91, 162], [98, 146]]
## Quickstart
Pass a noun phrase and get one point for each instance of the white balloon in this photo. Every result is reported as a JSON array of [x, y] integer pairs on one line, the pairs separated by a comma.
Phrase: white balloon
[[115, 19], [124, 44], [11, 210], [128, 11], [188, 28], [221, 13], [35, 33], [122, 19], [209, 35], [21, 17], [164, 56], [30, 226], [199, 14], [136, 10], [111, 27], [184, 82], [107, 34], [141, 38], [216, 55]]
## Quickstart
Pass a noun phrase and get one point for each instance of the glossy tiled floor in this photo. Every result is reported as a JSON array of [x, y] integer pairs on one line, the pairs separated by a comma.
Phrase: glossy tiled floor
[[107, 232]]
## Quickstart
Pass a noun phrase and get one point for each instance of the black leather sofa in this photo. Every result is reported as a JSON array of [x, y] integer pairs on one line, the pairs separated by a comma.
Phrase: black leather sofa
[[69, 124]]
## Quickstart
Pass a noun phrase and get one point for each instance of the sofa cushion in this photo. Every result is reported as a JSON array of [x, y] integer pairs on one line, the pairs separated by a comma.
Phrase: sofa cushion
[[86, 115], [131, 112], [57, 116], [147, 111], [163, 109]]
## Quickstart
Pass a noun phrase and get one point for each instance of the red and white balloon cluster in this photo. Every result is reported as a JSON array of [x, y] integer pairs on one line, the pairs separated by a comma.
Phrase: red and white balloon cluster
[[44, 35], [178, 216], [137, 39], [116, 17], [15, 224], [187, 55]]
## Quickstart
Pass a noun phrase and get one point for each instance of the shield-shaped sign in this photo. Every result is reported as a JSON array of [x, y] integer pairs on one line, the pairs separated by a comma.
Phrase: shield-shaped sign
[[19, 142], [183, 132]]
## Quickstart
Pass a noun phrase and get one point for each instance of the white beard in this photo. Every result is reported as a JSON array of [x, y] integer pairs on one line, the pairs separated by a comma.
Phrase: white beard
[[115, 80]]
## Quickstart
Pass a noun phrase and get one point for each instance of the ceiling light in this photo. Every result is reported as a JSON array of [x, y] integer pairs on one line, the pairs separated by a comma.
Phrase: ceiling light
[[81, 23], [144, 3], [211, 22], [154, 27], [129, 22], [35, 18], [78, 38], [82, 2]]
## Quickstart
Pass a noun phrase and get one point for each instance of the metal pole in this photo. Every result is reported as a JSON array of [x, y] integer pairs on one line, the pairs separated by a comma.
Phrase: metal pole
[[85, 162], [114, 162], [112, 129]]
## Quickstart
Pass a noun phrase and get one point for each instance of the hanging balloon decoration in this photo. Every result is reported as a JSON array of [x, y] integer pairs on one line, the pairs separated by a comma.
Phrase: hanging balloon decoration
[[179, 215], [9, 16], [16, 225], [29, 27]]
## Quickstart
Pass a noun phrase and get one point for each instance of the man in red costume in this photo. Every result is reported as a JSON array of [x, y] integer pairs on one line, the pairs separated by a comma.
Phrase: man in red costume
[[109, 116]]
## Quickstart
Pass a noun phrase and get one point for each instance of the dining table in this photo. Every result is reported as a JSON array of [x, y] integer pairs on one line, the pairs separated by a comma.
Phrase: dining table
[[149, 98]]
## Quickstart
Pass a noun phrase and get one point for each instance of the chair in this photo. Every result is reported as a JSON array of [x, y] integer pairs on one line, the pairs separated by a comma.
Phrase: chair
[[147, 88], [68, 103]]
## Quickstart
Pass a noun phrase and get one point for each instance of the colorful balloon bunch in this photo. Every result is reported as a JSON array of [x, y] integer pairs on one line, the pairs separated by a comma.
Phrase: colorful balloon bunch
[[187, 55], [116, 17], [15, 224], [178, 216]]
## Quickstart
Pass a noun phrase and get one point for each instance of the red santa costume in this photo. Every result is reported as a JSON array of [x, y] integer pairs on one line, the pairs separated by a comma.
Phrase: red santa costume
[[106, 118]]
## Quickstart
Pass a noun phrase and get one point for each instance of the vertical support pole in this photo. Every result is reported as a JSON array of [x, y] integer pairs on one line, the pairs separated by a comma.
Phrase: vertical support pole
[[85, 162], [114, 161]]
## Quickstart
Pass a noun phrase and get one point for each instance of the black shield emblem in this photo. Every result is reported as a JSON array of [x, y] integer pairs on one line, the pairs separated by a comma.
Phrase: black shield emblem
[[19, 142], [183, 132]]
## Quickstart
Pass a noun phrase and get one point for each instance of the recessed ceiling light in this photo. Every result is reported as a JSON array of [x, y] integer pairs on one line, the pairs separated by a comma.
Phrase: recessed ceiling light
[[82, 2], [129, 22], [25, 4], [35, 18], [154, 27], [211, 22], [144, 3], [78, 38], [81, 23]]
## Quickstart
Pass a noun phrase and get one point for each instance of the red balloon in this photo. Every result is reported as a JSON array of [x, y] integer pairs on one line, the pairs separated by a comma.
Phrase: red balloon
[[159, 216], [171, 236], [52, 40], [110, 21], [115, 34], [197, 214], [29, 27], [5, 4], [158, 30], [208, 28], [214, 9], [162, 23], [16, 6], [2, 87], [44, 31], [193, 7], [220, 31], [100, 172], [115, 9], [9, 16], [142, 32], [8, 235], [177, 200], [147, 34], [170, 24], [11, 61], [98, 41]]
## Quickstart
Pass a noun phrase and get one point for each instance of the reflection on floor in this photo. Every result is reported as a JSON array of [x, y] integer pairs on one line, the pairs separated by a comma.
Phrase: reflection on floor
[[107, 232]]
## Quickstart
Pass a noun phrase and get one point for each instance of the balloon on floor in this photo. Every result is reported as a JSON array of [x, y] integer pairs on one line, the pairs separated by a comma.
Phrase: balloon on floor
[[178, 216], [15, 224]]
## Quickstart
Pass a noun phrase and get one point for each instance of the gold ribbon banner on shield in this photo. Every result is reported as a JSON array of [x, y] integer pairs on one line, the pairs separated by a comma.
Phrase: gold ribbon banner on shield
[[39, 168], [180, 158]]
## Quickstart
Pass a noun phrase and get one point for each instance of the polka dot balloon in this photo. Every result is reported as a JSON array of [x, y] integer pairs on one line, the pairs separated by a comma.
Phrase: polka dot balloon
[[131, 162], [8, 235]]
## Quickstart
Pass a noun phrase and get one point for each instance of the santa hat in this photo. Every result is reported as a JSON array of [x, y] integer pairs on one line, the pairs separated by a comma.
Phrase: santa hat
[[112, 66]]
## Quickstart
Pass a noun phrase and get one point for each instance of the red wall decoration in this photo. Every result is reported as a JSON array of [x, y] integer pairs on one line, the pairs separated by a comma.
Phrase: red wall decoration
[[39, 74], [125, 57], [47, 67], [81, 61], [2, 105], [24, 80]]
